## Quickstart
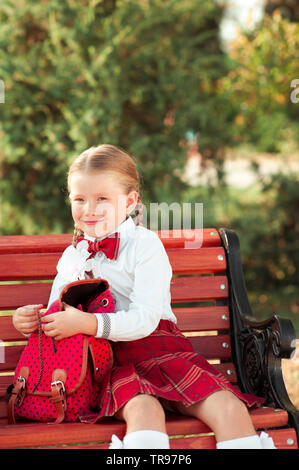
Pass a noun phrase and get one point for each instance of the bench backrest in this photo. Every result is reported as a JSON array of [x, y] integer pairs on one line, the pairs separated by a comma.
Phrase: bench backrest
[[199, 292]]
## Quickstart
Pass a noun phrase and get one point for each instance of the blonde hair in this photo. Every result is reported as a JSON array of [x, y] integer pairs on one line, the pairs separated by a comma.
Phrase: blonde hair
[[109, 158]]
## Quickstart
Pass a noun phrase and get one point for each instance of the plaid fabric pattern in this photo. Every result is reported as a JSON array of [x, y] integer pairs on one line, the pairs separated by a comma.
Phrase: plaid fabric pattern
[[164, 365]]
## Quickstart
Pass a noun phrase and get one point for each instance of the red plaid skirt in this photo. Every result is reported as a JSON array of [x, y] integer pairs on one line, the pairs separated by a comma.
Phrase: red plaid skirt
[[165, 365]]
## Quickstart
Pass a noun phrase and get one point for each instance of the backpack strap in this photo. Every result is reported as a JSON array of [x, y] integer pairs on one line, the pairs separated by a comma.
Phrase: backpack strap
[[58, 394], [17, 394]]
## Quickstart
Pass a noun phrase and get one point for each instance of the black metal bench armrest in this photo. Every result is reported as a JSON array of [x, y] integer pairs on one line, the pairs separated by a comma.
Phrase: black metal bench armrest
[[257, 346]]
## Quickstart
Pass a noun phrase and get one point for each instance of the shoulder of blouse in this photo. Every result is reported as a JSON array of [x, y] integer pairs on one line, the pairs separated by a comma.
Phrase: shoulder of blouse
[[149, 246]]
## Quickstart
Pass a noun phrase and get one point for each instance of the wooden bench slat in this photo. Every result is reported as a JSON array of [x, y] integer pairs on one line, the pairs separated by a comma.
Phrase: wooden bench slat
[[58, 242], [210, 347], [43, 265], [261, 417], [3, 409], [189, 319], [6, 380], [198, 288], [202, 318], [11, 357], [37, 434], [182, 238], [203, 260], [183, 289], [226, 368], [8, 331], [29, 266], [13, 296], [20, 244], [280, 438]]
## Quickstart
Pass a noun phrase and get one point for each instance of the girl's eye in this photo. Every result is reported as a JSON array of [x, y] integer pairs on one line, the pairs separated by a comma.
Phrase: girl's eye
[[80, 199]]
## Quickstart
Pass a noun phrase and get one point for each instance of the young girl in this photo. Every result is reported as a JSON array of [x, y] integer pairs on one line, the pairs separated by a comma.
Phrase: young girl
[[155, 367]]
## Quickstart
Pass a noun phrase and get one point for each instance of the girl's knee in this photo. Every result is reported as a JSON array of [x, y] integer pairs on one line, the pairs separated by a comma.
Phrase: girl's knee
[[234, 404], [144, 405], [233, 419], [220, 407], [233, 409]]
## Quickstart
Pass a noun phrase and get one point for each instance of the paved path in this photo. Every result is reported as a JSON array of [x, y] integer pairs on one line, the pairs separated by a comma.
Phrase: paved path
[[239, 172]]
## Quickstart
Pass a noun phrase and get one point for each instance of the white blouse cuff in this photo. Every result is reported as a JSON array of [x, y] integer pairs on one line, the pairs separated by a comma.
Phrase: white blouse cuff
[[104, 325]]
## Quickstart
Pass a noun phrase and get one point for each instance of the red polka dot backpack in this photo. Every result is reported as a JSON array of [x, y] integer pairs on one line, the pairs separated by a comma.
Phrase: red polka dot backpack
[[59, 381]]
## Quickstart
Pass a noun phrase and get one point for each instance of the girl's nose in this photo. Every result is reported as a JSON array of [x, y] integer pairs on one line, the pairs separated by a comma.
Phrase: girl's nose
[[95, 210], [90, 209]]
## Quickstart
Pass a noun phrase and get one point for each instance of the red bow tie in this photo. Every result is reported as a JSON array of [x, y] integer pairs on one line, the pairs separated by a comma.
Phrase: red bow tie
[[109, 246]]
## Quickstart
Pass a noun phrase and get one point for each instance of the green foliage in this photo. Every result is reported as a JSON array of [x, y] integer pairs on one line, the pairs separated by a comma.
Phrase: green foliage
[[264, 63], [137, 74], [278, 238], [265, 218], [146, 75], [269, 233]]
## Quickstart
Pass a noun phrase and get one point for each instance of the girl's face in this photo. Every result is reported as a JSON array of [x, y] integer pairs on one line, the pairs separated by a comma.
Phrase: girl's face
[[98, 202]]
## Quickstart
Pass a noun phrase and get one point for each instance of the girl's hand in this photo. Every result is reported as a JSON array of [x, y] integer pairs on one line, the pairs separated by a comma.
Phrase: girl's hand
[[25, 319], [69, 322]]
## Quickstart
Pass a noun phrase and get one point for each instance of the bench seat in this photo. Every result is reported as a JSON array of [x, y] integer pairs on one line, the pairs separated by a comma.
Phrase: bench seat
[[99, 435], [210, 302]]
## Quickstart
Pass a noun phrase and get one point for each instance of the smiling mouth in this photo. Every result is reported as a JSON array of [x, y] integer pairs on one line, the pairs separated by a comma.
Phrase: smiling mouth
[[93, 222]]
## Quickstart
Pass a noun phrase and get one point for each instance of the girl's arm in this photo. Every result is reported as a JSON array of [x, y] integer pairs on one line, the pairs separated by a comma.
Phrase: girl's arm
[[150, 297], [69, 322]]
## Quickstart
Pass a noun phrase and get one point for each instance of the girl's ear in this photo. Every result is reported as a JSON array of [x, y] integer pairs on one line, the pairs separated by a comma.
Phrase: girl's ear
[[132, 199]]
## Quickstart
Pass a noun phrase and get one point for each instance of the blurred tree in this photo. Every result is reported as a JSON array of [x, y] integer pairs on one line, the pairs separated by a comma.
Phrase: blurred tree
[[135, 73], [287, 8], [260, 85], [271, 248]]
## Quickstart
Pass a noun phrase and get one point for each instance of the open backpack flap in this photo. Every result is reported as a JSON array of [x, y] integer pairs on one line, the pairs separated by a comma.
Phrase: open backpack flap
[[59, 381]]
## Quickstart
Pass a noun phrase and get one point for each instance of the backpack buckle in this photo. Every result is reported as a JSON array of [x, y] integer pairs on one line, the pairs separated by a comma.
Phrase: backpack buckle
[[58, 382], [58, 398], [20, 390]]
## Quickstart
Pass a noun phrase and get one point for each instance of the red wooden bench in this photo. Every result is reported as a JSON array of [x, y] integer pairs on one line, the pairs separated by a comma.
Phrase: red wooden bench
[[210, 301]]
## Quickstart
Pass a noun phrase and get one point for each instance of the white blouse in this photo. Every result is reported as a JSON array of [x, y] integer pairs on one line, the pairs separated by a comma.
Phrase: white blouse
[[139, 281]]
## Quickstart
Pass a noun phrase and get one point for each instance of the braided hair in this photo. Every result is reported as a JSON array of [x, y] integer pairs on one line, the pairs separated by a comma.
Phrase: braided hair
[[77, 233]]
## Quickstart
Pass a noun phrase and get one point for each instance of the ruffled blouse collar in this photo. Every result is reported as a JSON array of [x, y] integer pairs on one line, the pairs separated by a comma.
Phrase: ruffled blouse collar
[[74, 262]]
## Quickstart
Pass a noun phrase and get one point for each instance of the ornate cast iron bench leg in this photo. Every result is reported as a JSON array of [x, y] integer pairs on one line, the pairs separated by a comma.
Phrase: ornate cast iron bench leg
[[257, 347]]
